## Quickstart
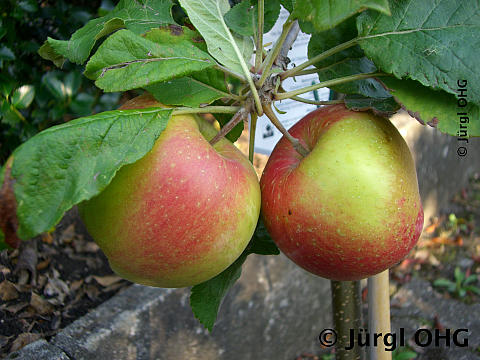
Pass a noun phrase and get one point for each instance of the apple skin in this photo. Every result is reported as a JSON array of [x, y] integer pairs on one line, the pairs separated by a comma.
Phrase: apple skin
[[349, 209], [180, 215]]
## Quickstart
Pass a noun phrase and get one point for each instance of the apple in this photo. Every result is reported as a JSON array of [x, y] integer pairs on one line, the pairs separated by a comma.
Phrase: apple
[[180, 215], [350, 208]]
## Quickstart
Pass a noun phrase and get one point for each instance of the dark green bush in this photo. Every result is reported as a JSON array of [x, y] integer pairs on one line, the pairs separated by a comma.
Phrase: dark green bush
[[33, 93]]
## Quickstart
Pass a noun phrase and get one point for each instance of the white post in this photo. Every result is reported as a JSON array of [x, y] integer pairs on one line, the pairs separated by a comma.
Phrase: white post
[[379, 314]]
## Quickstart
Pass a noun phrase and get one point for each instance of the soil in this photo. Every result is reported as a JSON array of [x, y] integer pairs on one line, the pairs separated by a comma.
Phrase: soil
[[49, 282]]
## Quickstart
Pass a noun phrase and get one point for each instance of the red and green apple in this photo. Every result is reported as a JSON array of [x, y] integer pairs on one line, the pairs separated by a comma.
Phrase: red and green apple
[[349, 209], [180, 215]]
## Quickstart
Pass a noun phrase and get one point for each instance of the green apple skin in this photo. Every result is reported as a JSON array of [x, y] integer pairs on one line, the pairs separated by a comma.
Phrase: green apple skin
[[349, 209], [180, 215]]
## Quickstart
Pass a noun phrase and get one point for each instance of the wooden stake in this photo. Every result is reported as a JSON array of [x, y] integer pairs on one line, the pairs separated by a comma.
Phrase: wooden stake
[[379, 314]]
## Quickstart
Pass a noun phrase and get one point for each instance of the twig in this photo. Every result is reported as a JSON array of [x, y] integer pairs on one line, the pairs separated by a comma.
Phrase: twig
[[280, 61], [272, 55], [259, 45], [267, 109], [314, 102], [239, 116], [325, 54], [328, 83]]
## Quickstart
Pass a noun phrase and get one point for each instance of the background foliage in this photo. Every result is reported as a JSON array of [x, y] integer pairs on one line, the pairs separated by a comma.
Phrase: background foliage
[[34, 94]]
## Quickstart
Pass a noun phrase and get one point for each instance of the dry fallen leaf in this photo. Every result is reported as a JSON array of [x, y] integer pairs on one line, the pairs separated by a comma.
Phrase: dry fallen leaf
[[47, 238], [68, 234], [23, 340], [8, 291], [57, 289], [107, 280], [41, 306], [13, 309]]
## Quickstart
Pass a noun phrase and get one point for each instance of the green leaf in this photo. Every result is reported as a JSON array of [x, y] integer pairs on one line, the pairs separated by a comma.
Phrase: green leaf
[[23, 96], [137, 16], [72, 162], [243, 17], [262, 242], [198, 89], [8, 114], [55, 86], [205, 298], [185, 91], [459, 275], [472, 289], [228, 49], [288, 4], [381, 106], [445, 283], [471, 279], [175, 34], [127, 61], [433, 107], [72, 82], [6, 53], [350, 61], [406, 355], [82, 104], [28, 5], [7, 84], [325, 15], [434, 42]]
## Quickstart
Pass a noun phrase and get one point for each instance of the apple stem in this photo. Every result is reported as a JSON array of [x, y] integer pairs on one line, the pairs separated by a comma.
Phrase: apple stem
[[251, 143], [240, 115], [347, 316], [297, 145], [379, 312]]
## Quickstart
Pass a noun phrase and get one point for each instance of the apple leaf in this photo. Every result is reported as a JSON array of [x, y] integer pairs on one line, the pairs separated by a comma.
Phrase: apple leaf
[[72, 162], [325, 15], [185, 91], [228, 49], [137, 16], [205, 298], [434, 107], [262, 242], [127, 61], [383, 107], [175, 34], [243, 17], [350, 61], [433, 42], [198, 89]]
